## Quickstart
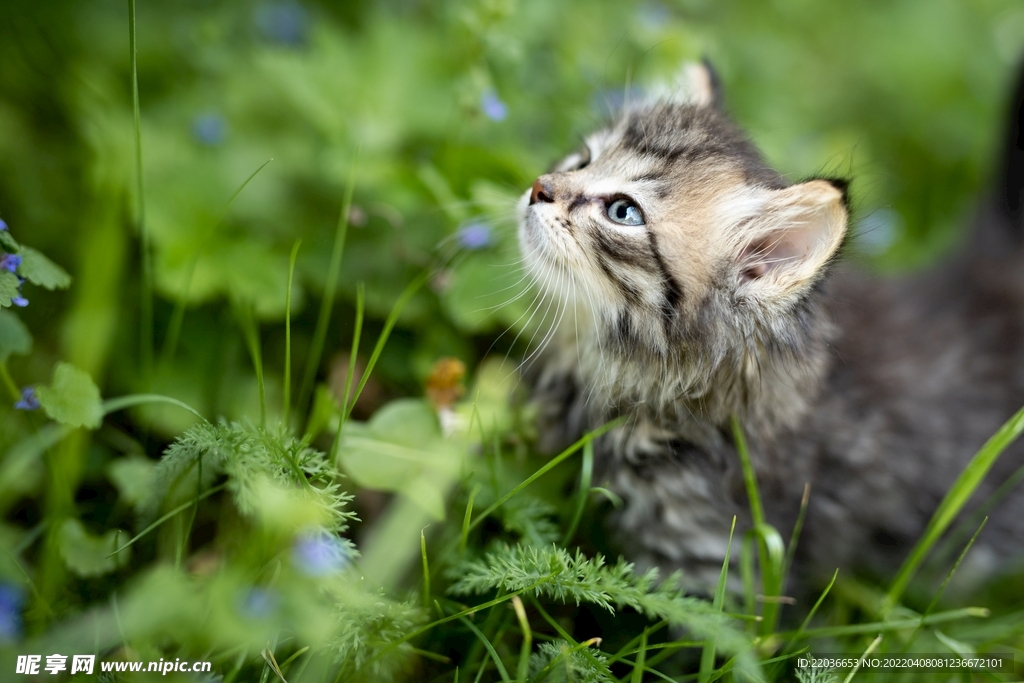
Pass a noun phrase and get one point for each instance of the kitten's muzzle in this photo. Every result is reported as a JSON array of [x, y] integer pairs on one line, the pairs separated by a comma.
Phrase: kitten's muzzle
[[541, 193]]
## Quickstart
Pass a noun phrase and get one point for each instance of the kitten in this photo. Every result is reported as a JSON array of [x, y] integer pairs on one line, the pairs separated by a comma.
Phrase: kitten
[[699, 284]]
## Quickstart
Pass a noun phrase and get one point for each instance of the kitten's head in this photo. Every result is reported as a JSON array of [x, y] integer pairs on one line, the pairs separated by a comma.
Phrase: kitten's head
[[670, 219]]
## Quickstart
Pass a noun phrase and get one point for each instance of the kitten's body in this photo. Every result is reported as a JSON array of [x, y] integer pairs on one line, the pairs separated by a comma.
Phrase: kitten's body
[[876, 393]]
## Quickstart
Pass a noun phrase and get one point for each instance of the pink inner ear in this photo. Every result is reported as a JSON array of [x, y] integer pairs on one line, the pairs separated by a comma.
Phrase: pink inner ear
[[772, 251]]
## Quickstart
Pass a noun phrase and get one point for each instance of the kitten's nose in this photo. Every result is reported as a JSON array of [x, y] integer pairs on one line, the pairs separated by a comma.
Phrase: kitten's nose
[[540, 193]]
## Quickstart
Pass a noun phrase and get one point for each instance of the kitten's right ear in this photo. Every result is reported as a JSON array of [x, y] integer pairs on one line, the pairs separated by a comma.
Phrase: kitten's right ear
[[796, 233]]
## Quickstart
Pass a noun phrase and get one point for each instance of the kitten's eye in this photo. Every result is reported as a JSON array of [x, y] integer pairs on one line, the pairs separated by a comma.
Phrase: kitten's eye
[[625, 212]]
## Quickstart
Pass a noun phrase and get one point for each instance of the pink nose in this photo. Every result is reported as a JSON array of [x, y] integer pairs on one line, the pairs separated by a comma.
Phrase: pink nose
[[540, 193]]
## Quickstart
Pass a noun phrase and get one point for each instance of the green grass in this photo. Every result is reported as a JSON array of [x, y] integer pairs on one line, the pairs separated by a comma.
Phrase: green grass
[[483, 560]]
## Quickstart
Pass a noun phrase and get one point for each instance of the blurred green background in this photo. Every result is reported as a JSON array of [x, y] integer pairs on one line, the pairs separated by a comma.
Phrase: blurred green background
[[446, 111], [441, 113]]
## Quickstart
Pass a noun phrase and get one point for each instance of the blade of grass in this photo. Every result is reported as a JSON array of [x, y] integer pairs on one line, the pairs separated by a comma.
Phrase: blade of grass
[[942, 588], [586, 477], [288, 333], [250, 331], [895, 625], [146, 304], [121, 403], [707, 656], [641, 656], [360, 304], [814, 610], [955, 499], [464, 535], [426, 571], [169, 515], [856, 667], [523, 667], [770, 549], [356, 335], [551, 464], [330, 290], [794, 537], [490, 649], [389, 325]]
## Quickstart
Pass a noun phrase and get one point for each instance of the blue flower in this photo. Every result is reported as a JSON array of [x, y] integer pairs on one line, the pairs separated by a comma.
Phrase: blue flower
[[10, 262], [3, 226], [492, 106], [11, 598], [209, 129], [319, 553], [257, 603], [475, 236], [29, 400], [286, 23], [20, 301]]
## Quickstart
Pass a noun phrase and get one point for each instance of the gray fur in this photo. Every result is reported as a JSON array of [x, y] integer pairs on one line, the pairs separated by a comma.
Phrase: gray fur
[[876, 392]]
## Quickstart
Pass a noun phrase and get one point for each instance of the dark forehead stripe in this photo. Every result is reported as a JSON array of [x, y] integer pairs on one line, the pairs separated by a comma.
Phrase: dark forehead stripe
[[676, 134]]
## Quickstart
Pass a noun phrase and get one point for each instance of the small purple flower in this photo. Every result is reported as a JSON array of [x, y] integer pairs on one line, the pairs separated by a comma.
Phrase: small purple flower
[[3, 225], [29, 400], [492, 106], [475, 236], [11, 599], [10, 262], [319, 553], [209, 129], [286, 23], [258, 602], [20, 301]]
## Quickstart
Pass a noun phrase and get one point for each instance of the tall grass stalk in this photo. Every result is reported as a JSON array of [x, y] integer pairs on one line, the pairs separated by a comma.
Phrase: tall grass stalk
[[330, 292], [707, 657], [955, 499], [250, 330], [287, 401], [146, 304], [769, 543]]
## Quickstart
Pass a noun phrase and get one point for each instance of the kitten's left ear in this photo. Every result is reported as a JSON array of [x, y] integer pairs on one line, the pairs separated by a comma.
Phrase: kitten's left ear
[[697, 84], [797, 232]]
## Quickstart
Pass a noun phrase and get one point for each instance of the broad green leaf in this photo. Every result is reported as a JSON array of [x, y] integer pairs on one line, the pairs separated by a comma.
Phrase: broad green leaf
[[41, 271], [8, 288], [401, 449], [131, 476], [87, 555], [8, 242], [14, 336], [73, 398]]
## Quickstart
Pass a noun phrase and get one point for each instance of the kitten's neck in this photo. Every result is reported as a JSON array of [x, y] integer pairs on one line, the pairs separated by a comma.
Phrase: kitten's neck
[[767, 381]]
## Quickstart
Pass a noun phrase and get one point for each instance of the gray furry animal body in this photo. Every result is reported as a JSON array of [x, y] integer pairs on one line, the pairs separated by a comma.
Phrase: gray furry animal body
[[726, 299]]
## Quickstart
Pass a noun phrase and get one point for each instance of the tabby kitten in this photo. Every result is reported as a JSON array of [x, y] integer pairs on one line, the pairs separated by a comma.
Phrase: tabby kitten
[[699, 283]]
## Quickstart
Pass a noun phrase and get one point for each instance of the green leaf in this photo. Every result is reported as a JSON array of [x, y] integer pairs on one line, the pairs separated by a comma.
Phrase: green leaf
[[88, 555], [9, 243], [8, 288], [41, 271], [401, 449], [73, 398], [132, 476], [14, 336]]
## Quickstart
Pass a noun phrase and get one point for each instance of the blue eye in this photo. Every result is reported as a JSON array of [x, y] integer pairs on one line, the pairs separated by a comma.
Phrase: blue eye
[[625, 212]]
